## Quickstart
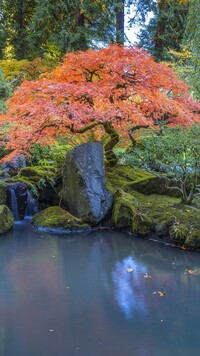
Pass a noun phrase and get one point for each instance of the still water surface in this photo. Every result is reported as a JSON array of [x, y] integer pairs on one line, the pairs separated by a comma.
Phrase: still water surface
[[73, 295]]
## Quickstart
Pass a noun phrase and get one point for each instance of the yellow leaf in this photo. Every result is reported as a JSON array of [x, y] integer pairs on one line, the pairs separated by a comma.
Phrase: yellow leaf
[[129, 269]]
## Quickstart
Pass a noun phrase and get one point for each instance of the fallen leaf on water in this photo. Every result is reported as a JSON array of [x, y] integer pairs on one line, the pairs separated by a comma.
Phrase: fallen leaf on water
[[190, 271], [161, 294], [147, 275], [129, 269]]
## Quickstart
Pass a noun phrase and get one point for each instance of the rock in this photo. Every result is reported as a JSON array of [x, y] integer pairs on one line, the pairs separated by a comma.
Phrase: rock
[[55, 218], [161, 230], [44, 181], [13, 166], [84, 191], [124, 209], [6, 219], [126, 213], [4, 174]]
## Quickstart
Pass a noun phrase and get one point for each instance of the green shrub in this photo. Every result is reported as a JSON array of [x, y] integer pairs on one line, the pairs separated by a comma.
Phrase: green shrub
[[5, 92], [175, 154]]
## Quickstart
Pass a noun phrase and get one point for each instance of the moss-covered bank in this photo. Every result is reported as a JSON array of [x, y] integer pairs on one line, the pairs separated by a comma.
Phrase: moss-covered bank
[[146, 213]]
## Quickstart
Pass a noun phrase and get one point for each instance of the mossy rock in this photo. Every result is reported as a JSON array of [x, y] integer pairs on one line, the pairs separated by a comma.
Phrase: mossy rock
[[124, 209], [36, 173], [141, 224], [129, 178], [33, 175], [55, 217], [143, 213], [6, 219], [126, 213], [3, 192]]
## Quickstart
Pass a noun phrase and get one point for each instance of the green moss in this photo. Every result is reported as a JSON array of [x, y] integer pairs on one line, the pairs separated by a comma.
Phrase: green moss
[[143, 212], [130, 178], [126, 212], [6, 219], [3, 192], [37, 172], [57, 218], [124, 209], [193, 237], [141, 224]]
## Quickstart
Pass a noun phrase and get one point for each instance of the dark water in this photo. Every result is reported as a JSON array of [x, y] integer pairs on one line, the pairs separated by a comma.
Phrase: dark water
[[72, 295]]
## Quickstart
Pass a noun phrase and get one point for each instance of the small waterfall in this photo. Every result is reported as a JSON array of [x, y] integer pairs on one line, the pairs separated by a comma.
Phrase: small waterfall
[[20, 201], [13, 202], [32, 205]]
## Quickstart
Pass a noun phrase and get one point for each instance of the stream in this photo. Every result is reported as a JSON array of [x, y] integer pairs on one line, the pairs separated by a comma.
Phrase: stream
[[96, 294]]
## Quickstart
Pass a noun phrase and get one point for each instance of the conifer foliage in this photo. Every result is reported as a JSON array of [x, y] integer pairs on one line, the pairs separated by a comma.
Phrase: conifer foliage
[[114, 86]]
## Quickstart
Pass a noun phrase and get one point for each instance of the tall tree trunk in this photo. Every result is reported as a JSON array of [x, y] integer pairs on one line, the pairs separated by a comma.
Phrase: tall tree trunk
[[159, 36], [20, 41], [82, 45], [120, 22]]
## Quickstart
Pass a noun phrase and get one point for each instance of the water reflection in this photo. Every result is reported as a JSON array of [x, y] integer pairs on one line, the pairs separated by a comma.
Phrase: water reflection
[[127, 286], [73, 295]]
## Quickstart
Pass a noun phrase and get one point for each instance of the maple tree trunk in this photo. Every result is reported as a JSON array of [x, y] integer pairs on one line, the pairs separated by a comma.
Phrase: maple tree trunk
[[134, 128], [113, 140]]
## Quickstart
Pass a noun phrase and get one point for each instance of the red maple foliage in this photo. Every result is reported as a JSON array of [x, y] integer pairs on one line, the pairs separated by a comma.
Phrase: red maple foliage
[[115, 86]]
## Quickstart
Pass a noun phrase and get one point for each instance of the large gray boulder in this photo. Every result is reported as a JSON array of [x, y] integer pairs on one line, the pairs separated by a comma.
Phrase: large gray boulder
[[84, 192]]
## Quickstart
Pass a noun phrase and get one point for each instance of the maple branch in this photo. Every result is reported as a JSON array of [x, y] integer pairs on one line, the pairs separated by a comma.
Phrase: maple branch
[[83, 129]]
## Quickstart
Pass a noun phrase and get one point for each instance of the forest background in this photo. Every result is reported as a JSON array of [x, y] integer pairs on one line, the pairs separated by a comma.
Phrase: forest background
[[34, 35]]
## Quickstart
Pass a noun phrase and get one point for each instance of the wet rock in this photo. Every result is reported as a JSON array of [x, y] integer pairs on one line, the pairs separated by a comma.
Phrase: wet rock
[[13, 166], [6, 219], [84, 191], [161, 230]]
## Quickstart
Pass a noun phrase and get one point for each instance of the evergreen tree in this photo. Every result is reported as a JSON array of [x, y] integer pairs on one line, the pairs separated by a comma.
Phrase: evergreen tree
[[165, 30], [15, 23], [193, 40], [71, 25]]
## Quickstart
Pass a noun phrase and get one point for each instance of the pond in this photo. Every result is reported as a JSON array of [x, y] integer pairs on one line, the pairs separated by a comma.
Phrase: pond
[[96, 294]]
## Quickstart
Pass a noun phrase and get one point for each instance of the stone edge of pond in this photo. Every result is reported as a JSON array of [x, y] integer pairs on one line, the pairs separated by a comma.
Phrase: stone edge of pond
[[61, 231]]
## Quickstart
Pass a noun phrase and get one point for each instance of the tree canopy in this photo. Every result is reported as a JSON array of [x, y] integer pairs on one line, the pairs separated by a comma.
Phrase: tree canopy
[[113, 87]]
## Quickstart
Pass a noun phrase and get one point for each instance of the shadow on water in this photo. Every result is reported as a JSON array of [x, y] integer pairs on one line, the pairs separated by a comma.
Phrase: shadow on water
[[86, 294]]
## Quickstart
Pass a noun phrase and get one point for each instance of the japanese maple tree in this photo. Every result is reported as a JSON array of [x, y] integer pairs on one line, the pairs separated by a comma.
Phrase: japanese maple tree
[[115, 87]]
